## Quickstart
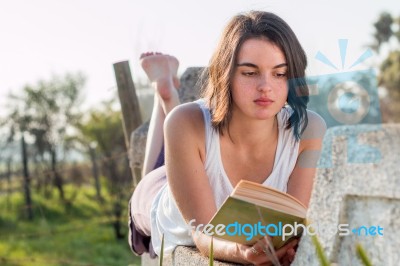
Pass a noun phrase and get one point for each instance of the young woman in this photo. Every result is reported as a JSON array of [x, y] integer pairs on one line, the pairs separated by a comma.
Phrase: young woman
[[251, 124]]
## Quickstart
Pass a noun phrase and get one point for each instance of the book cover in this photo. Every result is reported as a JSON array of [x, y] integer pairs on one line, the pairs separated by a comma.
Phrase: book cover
[[253, 210]]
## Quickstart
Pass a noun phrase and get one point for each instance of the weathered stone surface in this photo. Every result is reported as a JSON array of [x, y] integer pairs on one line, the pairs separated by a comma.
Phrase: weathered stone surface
[[147, 261], [370, 211], [183, 256], [138, 144], [358, 194], [191, 81], [190, 256]]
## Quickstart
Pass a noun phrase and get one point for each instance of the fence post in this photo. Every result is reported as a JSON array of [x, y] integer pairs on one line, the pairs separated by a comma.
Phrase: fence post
[[27, 184], [131, 117]]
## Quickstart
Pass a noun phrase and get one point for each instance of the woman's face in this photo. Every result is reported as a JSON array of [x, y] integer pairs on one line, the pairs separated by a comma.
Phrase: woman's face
[[259, 83]]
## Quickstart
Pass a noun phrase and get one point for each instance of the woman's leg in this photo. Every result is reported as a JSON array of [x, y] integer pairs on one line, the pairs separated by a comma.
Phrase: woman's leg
[[162, 72], [139, 211]]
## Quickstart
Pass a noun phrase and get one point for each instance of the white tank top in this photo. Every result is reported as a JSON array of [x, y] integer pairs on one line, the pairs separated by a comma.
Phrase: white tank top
[[165, 216]]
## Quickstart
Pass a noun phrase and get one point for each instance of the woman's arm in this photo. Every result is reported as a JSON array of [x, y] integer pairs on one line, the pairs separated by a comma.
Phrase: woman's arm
[[187, 178], [184, 154], [302, 178]]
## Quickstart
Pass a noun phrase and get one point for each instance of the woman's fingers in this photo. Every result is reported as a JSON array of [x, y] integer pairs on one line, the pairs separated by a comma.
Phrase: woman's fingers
[[288, 258], [281, 251], [260, 254], [291, 253], [289, 245]]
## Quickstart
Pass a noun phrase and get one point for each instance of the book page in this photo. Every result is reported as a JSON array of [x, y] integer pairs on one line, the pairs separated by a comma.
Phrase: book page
[[268, 197]]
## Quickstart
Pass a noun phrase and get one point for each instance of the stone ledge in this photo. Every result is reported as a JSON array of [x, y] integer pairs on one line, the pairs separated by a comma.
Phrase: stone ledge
[[190, 256], [356, 190], [183, 256]]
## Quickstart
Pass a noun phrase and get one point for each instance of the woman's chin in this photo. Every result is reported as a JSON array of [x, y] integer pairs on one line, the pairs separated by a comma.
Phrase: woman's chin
[[265, 116]]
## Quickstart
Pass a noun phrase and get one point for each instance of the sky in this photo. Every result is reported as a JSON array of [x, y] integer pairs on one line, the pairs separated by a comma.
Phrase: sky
[[43, 38]]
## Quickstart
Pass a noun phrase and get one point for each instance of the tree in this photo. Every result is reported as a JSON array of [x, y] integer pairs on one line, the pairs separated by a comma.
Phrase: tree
[[387, 36], [45, 112], [104, 127], [383, 29]]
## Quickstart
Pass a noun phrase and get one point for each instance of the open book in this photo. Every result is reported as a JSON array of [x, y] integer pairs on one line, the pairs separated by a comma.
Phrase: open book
[[253, 210]]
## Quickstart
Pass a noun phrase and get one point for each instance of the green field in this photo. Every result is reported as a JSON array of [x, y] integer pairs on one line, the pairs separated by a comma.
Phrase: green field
[[81, 234]]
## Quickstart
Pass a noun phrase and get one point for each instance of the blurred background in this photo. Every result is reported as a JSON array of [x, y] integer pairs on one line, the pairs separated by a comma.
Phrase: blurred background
[[65, 180]]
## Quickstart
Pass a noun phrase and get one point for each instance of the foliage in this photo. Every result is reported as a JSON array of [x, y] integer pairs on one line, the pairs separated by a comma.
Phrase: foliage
[[363, 255], [322, 257], [44, 113], [383, 29], [390, 73], [104, 127], [387, 39], [46, 110], [320, 251], [211, 260], [161, 259], [81, 235]]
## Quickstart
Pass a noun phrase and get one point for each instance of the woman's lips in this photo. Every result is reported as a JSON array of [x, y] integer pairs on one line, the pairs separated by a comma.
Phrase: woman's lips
[[263, 101]]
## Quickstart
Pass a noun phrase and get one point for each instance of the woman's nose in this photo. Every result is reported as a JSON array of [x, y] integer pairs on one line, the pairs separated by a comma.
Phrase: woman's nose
[[264, 84]]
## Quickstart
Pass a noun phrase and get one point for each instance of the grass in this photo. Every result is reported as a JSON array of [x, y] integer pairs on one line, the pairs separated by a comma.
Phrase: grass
[[211, 260], [362, 255], [78, 235]]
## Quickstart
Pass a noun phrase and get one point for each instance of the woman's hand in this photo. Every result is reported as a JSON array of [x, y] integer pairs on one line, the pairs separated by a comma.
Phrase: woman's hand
[[288, 258], [259, 253]]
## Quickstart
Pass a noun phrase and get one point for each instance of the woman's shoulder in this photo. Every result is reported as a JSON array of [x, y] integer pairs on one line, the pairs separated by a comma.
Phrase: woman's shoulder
[[313, 134], [187, 117], [185, 113], [316, 126]]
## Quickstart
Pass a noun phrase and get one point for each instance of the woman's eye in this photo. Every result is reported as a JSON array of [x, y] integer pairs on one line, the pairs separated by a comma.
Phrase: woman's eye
[[249, 74], [281, 75]]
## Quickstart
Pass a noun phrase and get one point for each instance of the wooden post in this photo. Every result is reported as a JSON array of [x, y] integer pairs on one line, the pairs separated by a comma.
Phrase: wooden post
[[131, 117]]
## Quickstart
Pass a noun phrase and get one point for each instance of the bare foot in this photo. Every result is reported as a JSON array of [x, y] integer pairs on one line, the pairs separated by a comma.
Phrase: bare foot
[[162, 70]]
